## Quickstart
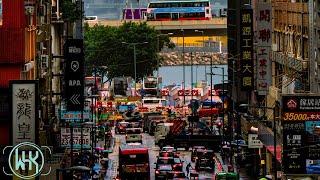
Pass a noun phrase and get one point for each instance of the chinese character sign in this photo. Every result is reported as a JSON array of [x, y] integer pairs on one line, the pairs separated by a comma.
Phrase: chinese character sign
[[264, 32], [23, 109], [301, 133], [246, 38]]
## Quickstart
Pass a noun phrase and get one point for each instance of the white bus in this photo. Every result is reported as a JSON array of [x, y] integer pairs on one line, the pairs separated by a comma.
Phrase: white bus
[[153, 103]]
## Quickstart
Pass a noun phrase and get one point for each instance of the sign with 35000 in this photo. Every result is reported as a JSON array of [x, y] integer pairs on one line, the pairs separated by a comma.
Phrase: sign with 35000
[[301, 116]]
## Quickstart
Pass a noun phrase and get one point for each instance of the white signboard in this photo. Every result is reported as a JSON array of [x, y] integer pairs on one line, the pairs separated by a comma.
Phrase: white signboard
[[66, 137], [254, 142], [264, 38], [23, 111]]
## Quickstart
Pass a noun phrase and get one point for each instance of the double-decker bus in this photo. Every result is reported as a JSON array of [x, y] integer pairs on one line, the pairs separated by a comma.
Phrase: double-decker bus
[[179, 10], [134, 162], [134, 13], [150, 86]]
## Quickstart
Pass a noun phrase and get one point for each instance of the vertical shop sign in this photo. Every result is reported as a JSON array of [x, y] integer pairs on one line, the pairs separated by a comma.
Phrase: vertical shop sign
[[246, 38], [24, 95], [74, 74], [264, 28]]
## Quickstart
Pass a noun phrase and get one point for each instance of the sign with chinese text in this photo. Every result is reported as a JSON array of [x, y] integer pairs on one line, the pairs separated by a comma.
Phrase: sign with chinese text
[[301, 108], [24, 95], [66, 137], [264, 30], [74, 75], [246, 49], [301, 133]]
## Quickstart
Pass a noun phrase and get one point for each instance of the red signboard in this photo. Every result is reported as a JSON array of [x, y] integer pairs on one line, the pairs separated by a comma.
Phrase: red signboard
[[194, 92], [165, 92]]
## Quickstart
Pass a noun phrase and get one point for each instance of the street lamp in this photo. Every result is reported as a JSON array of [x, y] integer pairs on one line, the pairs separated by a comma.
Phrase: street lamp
[[205, 67], [216, 67], [184, 73], [158, 48], [135, 63]]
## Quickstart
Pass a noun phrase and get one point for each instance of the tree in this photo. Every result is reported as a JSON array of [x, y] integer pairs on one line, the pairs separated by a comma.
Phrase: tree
[[108, 55]]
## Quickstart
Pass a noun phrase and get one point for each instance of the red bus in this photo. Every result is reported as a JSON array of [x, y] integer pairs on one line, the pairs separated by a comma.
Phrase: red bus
[[134, 162]]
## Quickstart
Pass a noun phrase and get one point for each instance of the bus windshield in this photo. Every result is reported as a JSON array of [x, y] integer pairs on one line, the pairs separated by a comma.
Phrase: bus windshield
[[151, 101]]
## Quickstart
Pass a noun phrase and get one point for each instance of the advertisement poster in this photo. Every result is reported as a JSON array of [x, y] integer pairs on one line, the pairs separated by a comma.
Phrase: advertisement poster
[[301, 120], [293, 143], [24, 95], [66, 138]]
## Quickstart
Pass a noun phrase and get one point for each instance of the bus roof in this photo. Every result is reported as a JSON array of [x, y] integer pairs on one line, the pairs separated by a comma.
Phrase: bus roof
[[133, 149]]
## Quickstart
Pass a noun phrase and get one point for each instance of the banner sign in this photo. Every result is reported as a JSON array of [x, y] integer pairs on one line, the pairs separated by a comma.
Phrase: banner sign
[[74, 74], [24, 95], [246, 46], [301, 108], [66, 138], [264, 30], [301, 134], [75, 116], [194, 92]]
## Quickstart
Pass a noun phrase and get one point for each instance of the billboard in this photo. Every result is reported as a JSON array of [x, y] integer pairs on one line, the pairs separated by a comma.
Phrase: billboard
[[301, 134], [246, 46], [24, 94], [74, 74]]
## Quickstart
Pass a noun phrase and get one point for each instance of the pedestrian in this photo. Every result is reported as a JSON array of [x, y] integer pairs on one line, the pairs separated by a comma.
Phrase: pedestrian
[[188, 169]]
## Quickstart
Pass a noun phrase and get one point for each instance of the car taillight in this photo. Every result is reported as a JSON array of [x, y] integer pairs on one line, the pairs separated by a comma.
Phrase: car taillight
[[157, 172]]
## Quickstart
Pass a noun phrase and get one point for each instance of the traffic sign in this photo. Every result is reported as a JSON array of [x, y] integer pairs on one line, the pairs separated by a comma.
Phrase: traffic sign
[[74, 75]]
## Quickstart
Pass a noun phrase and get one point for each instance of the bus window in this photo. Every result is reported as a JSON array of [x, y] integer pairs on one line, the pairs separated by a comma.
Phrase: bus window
[[163, 15], [151, 101]]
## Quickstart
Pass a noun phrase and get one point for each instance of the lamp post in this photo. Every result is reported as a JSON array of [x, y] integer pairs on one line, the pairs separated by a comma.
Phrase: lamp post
[[134, 61], [158, 63], [205, 67], [216, 67], [184, 73]]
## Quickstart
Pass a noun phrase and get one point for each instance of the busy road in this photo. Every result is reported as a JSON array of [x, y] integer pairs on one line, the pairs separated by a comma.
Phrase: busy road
[[153, 153]]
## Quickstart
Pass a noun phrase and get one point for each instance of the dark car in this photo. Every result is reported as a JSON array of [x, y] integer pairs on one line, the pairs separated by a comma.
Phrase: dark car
[[164, 161], [121, 127], [166, 154], [162, 171], [178, 164], [177, 175], [196, 152]]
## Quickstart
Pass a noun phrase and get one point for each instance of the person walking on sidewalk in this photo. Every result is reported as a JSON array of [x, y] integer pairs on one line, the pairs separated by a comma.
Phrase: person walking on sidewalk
[[188, 169]]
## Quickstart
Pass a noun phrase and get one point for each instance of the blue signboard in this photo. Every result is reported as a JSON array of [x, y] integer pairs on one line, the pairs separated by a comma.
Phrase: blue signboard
[[75, 115], [179, 10]]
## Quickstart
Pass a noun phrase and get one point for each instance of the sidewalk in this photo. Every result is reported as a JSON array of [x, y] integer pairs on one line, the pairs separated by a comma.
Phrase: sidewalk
[[223, 166]]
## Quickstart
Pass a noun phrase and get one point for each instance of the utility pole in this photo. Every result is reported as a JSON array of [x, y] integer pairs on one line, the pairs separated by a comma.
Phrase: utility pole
[[184, 73], [191, 75]]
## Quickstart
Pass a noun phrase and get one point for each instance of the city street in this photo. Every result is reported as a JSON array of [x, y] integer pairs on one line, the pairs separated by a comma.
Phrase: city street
[[153, 153]]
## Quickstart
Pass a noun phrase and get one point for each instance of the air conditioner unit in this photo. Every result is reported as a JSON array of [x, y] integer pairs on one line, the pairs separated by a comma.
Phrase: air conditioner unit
[[28, 66], [44, 61], [274, 47]]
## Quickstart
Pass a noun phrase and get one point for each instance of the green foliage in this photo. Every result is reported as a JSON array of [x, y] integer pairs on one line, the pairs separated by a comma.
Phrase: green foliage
[[104, 47], [70, 11]]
